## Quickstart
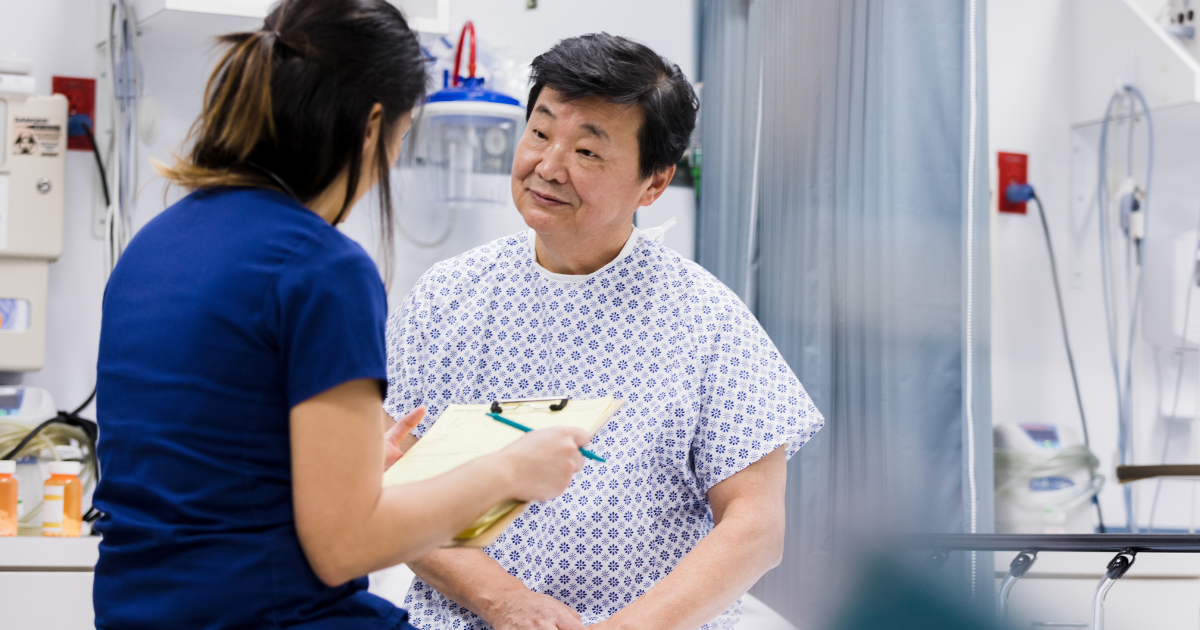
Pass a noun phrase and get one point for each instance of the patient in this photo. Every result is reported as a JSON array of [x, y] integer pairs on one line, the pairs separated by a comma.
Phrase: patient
[[688, 511]]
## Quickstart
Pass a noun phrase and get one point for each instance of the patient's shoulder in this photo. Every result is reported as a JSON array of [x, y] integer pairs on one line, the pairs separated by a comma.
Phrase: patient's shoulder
[[479, 265], [687, 280]]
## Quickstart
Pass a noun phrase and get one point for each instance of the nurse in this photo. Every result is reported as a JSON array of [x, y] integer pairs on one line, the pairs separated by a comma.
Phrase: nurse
[[242, 369]]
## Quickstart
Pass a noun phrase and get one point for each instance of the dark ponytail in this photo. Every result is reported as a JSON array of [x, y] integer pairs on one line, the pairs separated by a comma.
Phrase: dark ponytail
[[287, 106]]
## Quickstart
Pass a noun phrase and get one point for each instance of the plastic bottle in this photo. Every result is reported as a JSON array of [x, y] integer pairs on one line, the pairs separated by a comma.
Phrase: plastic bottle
[[8, 498], [62, 498]]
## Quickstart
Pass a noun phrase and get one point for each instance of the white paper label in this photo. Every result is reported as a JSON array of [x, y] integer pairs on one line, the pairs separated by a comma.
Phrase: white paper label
[[52, 510]]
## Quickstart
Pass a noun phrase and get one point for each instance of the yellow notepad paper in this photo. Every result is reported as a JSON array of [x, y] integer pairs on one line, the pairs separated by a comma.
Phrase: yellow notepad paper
[[465, 432]]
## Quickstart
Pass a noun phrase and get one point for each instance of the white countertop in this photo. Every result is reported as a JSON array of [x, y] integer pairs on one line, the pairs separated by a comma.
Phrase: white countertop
[[36, 552]]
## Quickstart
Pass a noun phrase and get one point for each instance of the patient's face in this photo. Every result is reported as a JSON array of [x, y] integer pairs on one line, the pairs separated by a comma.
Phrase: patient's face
[[575, 172]]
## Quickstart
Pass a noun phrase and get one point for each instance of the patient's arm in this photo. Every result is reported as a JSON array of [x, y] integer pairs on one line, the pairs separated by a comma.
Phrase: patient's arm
[[747, 542], [474, 580], [748, 509]]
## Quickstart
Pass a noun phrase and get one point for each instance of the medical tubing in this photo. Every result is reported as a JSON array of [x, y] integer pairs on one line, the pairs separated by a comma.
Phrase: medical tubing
[[1127, 395], [450, 223], [17, 438], [1101, 210], [1013, 466], [1124, 384], [1016, 469], [1062, 319], [1145, 210], [61, 429], [1109, 305], [1129, 142], [469, 26]]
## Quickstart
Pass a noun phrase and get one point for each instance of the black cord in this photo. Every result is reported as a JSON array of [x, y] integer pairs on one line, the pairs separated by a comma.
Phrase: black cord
[[87, 402], [103, 174], [89, 428], [1062, 320]]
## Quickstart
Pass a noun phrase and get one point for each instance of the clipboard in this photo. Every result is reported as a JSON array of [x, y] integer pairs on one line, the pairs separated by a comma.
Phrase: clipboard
[[465, 432]]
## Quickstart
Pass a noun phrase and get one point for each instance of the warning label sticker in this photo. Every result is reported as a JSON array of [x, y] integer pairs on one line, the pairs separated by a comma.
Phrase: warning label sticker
[[37, 136]]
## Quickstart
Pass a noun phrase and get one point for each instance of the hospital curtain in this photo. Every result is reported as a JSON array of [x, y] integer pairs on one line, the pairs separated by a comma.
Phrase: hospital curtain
[[843, 195]]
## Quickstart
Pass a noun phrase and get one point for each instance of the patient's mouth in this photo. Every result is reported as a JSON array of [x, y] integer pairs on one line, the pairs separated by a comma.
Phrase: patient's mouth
[[545, 199]]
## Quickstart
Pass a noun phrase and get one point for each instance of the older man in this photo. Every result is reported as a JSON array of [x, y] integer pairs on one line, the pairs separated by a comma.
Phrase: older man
[[688, 510]]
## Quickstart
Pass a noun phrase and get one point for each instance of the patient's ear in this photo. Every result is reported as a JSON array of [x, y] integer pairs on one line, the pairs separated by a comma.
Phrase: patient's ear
[[658, 183]]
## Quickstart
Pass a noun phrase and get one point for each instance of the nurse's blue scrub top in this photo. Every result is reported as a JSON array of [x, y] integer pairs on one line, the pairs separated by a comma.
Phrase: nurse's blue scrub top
[[226, 310]]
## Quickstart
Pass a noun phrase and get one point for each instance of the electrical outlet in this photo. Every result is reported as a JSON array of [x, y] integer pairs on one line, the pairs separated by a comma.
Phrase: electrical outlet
[[81, 99], [1012, 169]]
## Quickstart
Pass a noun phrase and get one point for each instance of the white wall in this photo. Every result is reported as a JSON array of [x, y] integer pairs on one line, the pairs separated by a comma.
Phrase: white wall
[[1033, 102], [1029, 111], [667, 26], [1039, 53], [60, 36]]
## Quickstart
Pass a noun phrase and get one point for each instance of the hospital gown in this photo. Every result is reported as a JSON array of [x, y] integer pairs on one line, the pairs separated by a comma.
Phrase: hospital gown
[[707, 395]]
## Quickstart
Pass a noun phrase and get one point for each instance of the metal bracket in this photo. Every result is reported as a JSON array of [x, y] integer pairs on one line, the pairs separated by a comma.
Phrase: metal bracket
[[1016, 570], [1116, 570]]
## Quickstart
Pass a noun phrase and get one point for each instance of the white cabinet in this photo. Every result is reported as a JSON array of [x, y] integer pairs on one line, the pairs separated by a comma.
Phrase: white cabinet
[[46, 583]]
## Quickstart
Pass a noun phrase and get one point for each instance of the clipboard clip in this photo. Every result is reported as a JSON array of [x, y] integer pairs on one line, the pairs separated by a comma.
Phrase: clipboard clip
[[559, 406]]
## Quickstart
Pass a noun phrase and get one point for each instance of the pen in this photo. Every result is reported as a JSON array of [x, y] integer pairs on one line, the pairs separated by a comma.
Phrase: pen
[[517, 425]]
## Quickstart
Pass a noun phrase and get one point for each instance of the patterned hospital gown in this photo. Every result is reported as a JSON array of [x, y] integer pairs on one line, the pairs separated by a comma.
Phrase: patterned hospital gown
[[707, 395]]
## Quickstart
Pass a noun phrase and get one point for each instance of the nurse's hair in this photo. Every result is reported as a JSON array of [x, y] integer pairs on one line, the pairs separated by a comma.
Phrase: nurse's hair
[[292, 100], [620, 70]]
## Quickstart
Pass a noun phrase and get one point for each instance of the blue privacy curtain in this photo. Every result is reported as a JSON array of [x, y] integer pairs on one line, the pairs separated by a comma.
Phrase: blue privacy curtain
[[844, 196]]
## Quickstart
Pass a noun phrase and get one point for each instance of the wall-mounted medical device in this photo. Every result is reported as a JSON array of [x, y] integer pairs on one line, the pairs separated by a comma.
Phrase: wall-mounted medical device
[[466, 136], [33, 147]]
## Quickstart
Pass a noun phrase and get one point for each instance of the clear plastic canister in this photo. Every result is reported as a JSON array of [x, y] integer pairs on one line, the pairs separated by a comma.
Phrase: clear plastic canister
[[467, 148]]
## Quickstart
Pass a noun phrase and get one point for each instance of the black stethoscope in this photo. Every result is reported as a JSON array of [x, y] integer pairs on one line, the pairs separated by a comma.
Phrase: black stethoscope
[[287, 190]]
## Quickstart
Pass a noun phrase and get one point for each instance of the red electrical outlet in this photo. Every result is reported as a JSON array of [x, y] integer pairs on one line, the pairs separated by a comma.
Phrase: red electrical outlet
[[1013, 169], [81, 99]]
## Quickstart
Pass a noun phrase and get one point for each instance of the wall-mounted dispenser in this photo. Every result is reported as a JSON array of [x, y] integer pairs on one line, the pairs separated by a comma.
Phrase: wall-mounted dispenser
[[33, 147]]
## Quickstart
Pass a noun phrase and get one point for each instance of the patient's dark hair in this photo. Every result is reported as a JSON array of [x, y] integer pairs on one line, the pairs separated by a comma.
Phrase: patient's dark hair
[[620, 70], [293, 98]]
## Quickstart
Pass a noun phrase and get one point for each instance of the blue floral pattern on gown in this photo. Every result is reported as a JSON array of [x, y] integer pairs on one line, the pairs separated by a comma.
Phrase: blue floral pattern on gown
[[706, 393]]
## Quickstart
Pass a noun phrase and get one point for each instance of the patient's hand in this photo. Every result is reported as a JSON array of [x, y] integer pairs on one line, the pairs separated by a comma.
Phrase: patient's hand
[[534, 611], [394, 436]]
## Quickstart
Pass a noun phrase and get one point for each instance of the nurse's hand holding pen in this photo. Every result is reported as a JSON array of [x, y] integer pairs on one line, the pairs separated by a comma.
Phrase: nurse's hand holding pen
[[538, 459], [350, 525]]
